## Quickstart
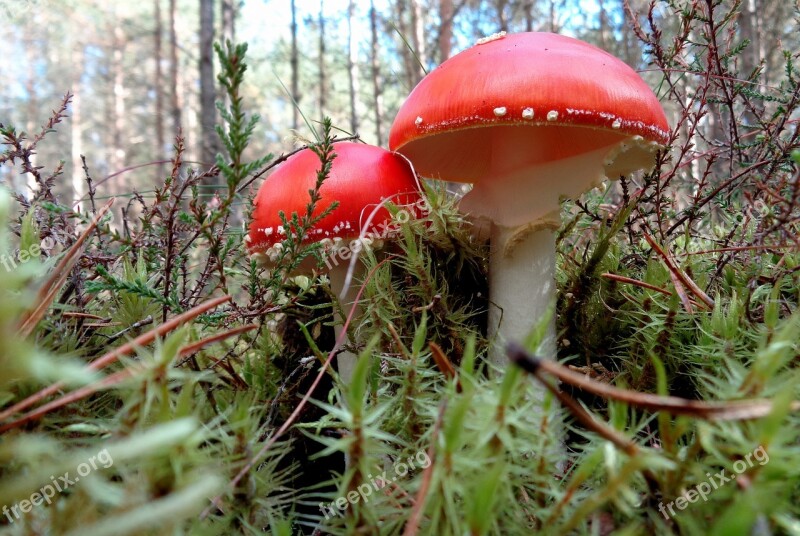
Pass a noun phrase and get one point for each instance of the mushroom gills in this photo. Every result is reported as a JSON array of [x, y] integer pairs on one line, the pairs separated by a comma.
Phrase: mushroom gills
[[530, 195]]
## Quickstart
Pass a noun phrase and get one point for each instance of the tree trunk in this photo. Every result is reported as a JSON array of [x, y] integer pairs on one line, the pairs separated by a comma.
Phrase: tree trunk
[[603, 24], [76, 130], [158, 86], [445, 29], [502, 21], [175, 96], [293, 60], [228, 8], [377, 92], [209, 145], [321, 61], [352, 68], [748, 26], [418, 24], [29, 185], [118, 94], [402, 28], [527, 7]]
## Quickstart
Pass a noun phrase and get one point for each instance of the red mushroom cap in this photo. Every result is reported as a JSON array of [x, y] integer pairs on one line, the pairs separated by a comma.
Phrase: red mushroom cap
[[524, 79], [361, 178], [529, 118]]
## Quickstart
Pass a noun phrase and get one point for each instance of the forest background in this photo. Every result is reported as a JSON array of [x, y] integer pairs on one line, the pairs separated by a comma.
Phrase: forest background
[[139, 72]]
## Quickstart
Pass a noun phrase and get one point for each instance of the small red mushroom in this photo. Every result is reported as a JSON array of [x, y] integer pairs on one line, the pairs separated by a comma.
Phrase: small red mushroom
[[529, 119], [362, 179]]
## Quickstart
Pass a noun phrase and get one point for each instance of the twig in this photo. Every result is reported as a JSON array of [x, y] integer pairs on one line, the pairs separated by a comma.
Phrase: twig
[[722, 411], [142, 340], [631, 281], [525, 362], [114, 379], [673, 267]]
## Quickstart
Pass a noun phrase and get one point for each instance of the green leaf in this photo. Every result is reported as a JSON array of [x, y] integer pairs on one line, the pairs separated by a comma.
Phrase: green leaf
[[29, 234]]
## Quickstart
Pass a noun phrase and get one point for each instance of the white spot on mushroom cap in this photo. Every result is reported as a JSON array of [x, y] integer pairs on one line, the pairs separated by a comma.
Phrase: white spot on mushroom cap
[[500, 111], [490, 38], [616, 124], [552, 115], [527, 113], [418, 121]]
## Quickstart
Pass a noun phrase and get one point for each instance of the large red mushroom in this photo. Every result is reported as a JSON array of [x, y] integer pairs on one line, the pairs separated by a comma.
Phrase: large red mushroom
[[361, 180], [528, 119]]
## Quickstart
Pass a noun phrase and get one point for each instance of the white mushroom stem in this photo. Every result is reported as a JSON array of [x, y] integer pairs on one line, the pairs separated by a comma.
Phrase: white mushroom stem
[[522, 202], [346, 360], [520, 196], [522, 288]]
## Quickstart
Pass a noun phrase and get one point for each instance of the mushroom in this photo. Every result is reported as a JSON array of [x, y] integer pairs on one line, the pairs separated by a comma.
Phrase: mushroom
[[362, 178], [529, 119]]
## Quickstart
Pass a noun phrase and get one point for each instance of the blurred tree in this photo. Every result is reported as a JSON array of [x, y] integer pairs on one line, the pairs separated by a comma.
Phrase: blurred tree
[[353, 72], [158, 87], [228, 18], [445, 39], [293, 59], [175, 96], [208, 112], [142, 78], [377, 91], [323, 88], [118, 114]]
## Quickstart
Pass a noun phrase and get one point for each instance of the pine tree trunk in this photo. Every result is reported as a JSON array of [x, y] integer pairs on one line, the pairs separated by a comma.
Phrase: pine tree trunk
[[28, 184], [502, 20], [293, 60], [418, 24], [228, 8], [402, 27], [445, 29], [352, 68], [76, 130], [119, 109], [321, 62], [175, 96], [603, 24], [209, 146], [528, 8], [377, 92], [158, 86]]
